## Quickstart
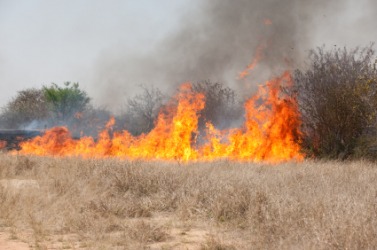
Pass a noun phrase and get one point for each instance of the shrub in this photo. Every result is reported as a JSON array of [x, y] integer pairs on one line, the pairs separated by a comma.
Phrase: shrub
[[65, 102], [142, 110], [337, 99], [27, 106], [221, 108]]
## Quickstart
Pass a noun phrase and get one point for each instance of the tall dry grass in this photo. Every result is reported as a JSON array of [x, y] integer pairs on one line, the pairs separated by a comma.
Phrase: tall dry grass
[[112, 204]]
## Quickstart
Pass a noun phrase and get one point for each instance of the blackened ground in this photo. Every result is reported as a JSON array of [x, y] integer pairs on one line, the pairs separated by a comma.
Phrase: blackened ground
[[13, 137]]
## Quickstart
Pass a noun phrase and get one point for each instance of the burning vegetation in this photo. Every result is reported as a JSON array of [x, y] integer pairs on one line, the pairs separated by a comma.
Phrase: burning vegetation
[[270, 133], [326, 111]]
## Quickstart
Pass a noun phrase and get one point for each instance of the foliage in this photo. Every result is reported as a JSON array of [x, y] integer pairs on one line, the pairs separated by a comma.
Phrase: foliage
[[66, 101], [337, 97], [49, 106], [27, 106], [336, 94]]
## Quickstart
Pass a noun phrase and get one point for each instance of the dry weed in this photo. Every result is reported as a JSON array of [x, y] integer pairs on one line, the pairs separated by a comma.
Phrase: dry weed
[[114, 204], [213, 243]]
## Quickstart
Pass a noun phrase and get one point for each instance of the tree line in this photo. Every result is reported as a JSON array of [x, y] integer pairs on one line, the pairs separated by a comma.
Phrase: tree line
[[336, 93]]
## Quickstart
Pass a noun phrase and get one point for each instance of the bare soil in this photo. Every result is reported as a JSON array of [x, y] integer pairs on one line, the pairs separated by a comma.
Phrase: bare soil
[[8, 243]]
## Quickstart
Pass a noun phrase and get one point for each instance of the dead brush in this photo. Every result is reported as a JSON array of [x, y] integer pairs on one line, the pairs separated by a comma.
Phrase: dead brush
[[232, 204], [144, 232], [113, 204], [212, 243], [24, 164]]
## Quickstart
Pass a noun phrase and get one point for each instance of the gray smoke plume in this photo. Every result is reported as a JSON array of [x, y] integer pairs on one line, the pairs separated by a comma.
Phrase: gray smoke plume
[[220, 38]]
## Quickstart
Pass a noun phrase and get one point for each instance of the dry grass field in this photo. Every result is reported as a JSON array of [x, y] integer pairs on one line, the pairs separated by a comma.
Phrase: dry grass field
[[60, 203]]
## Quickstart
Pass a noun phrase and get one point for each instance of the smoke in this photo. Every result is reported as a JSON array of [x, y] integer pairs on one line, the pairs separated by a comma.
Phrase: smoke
[[219, 39]]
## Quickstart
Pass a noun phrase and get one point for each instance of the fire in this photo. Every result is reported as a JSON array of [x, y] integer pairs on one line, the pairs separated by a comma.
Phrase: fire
[[174, 133], [258, 56], [270, 133], [267, 21], [3, 144]]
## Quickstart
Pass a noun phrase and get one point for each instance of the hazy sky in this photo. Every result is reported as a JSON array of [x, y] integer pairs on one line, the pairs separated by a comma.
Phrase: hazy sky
[[44, 41], [105, 45]]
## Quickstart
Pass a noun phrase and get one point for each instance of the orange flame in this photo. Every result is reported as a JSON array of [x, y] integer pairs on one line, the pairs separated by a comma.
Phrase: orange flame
[[270, 133], [258, 56], [3, 144], [267, 21]]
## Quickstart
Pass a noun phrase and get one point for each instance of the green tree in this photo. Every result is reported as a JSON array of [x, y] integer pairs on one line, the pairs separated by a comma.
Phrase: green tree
[[65, 102]]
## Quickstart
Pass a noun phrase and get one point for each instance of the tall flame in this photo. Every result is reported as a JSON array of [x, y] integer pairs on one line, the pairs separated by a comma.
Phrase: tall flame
[[270, 133]]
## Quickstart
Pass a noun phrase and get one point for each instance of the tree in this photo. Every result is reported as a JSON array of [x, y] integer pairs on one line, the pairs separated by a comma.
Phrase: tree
[[337, 96], [29, 105], [65, 102], [221, 108], [90, 122], [142, 110]]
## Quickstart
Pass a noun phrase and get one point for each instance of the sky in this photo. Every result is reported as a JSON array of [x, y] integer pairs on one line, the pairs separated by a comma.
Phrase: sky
[[43, 41], [111, 47]]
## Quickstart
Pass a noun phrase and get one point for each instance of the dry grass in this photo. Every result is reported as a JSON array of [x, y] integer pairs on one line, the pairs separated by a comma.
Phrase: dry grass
[[111, 204]]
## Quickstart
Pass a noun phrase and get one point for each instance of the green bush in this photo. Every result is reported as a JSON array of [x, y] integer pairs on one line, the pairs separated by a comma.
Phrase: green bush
[[65, 102]]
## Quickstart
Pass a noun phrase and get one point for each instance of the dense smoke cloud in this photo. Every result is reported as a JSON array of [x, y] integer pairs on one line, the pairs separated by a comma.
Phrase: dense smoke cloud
[[214, 41], [219, 39], [111, 47]]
